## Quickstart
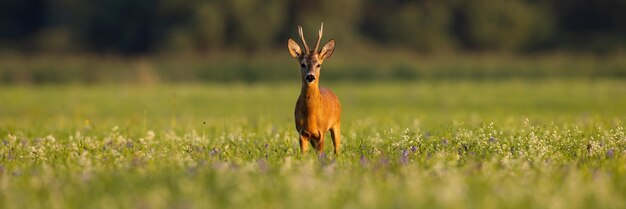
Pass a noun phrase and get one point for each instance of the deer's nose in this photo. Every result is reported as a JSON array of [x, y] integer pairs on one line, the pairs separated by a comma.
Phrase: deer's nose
[[309, 77]]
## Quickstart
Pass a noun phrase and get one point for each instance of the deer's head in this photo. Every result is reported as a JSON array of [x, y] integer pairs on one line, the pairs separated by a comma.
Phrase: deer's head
[[311, 60]]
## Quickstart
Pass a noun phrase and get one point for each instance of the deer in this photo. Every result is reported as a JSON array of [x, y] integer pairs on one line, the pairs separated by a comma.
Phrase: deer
[[317, 109]]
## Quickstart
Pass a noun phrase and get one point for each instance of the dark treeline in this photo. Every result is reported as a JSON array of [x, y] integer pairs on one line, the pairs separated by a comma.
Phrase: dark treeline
[[146, 26]]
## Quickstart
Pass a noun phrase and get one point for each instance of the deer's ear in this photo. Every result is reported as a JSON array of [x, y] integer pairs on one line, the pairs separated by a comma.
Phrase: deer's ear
[[294, 49], [328, 49]]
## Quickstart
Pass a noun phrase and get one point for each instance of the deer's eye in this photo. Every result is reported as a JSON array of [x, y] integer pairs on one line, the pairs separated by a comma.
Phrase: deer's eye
[[318, 66], [302, 65]]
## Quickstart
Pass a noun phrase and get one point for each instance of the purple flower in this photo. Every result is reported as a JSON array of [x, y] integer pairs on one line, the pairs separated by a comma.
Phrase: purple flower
[[413, 149], [262, 165], [363, 160], [213, 151], [383, 162], [405, 157], [322, 156], [610, 153]]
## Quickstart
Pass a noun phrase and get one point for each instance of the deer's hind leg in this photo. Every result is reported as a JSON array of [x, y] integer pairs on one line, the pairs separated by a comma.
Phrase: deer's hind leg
[[335, 133]]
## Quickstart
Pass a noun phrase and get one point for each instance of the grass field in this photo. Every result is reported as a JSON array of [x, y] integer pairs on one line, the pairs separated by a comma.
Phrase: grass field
[[441, 144]]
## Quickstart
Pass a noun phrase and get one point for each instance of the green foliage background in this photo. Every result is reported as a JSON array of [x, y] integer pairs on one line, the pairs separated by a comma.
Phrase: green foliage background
[[147, 26]]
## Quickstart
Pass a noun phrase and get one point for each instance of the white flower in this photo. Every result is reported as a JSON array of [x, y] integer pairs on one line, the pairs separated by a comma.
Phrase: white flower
[[150, 135]]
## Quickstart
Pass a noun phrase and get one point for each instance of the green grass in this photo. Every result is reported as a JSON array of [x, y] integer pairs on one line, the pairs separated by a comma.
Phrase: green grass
[[271, 66], [462, 144]]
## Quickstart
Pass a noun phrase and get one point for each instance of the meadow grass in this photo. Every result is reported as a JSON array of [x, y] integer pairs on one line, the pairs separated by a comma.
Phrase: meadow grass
[[444, 144]]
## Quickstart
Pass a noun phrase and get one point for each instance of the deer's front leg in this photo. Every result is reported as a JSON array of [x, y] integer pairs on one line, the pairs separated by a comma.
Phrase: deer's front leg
[[304, 143]]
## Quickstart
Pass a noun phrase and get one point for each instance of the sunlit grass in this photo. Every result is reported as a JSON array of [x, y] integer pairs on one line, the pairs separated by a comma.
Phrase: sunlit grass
[[467, 144], [359, 65]]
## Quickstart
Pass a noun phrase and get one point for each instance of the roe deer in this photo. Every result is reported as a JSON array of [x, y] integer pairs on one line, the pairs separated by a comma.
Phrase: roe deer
[[317, 109]]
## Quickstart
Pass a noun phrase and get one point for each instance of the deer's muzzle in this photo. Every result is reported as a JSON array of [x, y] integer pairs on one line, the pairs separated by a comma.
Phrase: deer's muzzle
[[309, 77]]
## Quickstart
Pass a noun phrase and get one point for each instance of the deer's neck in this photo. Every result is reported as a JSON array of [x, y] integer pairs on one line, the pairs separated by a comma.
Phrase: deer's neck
[[312, 96]]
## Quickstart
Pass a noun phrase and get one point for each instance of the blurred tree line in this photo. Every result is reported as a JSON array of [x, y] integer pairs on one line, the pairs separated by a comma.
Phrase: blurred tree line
[[147, 26]]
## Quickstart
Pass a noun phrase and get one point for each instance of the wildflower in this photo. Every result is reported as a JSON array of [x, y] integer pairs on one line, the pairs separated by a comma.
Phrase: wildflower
[[363, 160], [150, 135], [383, 162], [50, 139], [214, 151], [322, 157], [262, 165], [610, 153], [405, 157]]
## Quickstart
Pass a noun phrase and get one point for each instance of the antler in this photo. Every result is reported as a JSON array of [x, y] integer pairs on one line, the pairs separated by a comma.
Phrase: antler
[[319, 37], [306, 47]]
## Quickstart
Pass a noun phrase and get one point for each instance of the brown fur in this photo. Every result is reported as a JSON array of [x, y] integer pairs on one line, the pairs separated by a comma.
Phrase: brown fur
[[318, 109]]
